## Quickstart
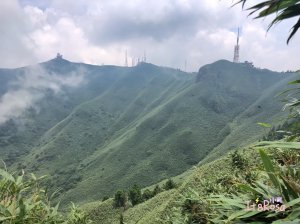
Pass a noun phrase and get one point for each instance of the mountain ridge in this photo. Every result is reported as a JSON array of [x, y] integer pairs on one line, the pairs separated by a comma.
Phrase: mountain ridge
[[140, 124]]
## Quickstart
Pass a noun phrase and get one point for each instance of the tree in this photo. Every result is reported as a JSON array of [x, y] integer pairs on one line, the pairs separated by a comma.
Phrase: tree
[[282, 9], [135, 195], [120, 199], [105, 198], [147, 194], [121, 218], [170, 184], [156, 190]]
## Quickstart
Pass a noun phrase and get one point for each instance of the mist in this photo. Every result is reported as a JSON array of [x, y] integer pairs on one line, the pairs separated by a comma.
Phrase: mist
[[29, 88]]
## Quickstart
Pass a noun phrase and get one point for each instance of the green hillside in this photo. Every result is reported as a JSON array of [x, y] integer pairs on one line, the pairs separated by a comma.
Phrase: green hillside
[[139, 125], [192, 200]]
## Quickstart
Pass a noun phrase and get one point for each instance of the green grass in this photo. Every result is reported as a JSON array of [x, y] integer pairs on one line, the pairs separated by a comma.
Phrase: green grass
[[143, 124], [201, 183]]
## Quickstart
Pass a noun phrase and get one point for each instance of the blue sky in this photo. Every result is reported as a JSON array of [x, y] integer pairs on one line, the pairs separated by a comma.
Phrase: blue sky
[[170, 31]]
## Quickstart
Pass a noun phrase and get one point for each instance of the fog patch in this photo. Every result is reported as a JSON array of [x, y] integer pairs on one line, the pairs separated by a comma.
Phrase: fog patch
[[31, 87]]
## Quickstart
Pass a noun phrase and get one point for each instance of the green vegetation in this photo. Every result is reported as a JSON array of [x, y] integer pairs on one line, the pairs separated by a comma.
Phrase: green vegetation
[[237, 161], [139, 125], [147, 194], [282, 181], [195, 211], [24, 201], [135, 195], [288, 130], [120, 199], [156, 190], [223, 197], [169, 185], [143, 126]]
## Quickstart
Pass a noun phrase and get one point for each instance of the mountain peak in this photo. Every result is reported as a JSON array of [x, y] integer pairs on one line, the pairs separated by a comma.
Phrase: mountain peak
[[59, 59]]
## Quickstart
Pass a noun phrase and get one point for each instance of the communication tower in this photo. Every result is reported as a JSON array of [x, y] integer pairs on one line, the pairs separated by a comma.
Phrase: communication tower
[[236, 56], [126, 59]]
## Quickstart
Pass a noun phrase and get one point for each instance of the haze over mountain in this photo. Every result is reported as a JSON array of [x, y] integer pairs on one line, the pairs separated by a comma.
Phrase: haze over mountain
[[95, 129]]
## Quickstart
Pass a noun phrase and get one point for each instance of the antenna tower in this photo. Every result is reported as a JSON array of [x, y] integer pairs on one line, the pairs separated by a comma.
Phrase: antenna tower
[[236, 56], [126, 59]]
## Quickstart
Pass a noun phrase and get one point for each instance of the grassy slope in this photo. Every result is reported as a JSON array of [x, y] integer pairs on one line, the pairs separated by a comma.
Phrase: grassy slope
[[262, 110], [18, 137], [164, 140], [165, 206], [144, 124]]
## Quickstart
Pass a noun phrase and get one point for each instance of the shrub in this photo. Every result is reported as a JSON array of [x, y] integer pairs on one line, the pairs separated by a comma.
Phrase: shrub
[[135, 195], [237, 161], [121, 219], [280, 181], [120, 199], [195, 211], [105, 198], [23, 201], [156, 190], [147, 194], [77, 216], [170, 184]]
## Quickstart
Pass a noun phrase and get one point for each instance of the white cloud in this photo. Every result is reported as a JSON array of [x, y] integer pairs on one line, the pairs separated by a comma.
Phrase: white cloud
[[30, 87], [96, 32]]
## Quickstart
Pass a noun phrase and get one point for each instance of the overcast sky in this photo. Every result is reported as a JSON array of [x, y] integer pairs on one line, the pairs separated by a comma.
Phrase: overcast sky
[[169, 31]]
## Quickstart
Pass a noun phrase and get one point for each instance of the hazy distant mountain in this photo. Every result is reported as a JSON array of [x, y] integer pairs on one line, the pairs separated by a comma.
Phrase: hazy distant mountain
[[95, 129]]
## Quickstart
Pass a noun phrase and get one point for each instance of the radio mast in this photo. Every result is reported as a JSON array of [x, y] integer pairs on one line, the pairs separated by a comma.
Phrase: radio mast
[[236, 56], [126, 59]]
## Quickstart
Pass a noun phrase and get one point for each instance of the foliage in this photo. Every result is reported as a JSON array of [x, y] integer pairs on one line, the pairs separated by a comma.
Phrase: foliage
[[120, 199], [216, 191], [170, 184], [122, 219], [77, 216], [195, 209], [279, 181], [23, 201], [156, 108], [281, 9], [237, 161], [157, 189], [147, 194], [105, 198], [135, 195], [292, 99]]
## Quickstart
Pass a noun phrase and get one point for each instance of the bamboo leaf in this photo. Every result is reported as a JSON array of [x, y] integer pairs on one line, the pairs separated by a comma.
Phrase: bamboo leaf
[[295, 82], [7, 176], [269, 168], [266, 125], [278, 144], [293, 202]]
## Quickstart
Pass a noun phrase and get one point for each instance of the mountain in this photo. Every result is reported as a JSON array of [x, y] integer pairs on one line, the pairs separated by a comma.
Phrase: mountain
[[214, 192], [96, 129]]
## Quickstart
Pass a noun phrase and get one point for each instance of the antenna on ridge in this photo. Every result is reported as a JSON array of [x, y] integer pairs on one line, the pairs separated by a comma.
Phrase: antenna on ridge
[[236, 56], [126, 59], [145, 58]]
